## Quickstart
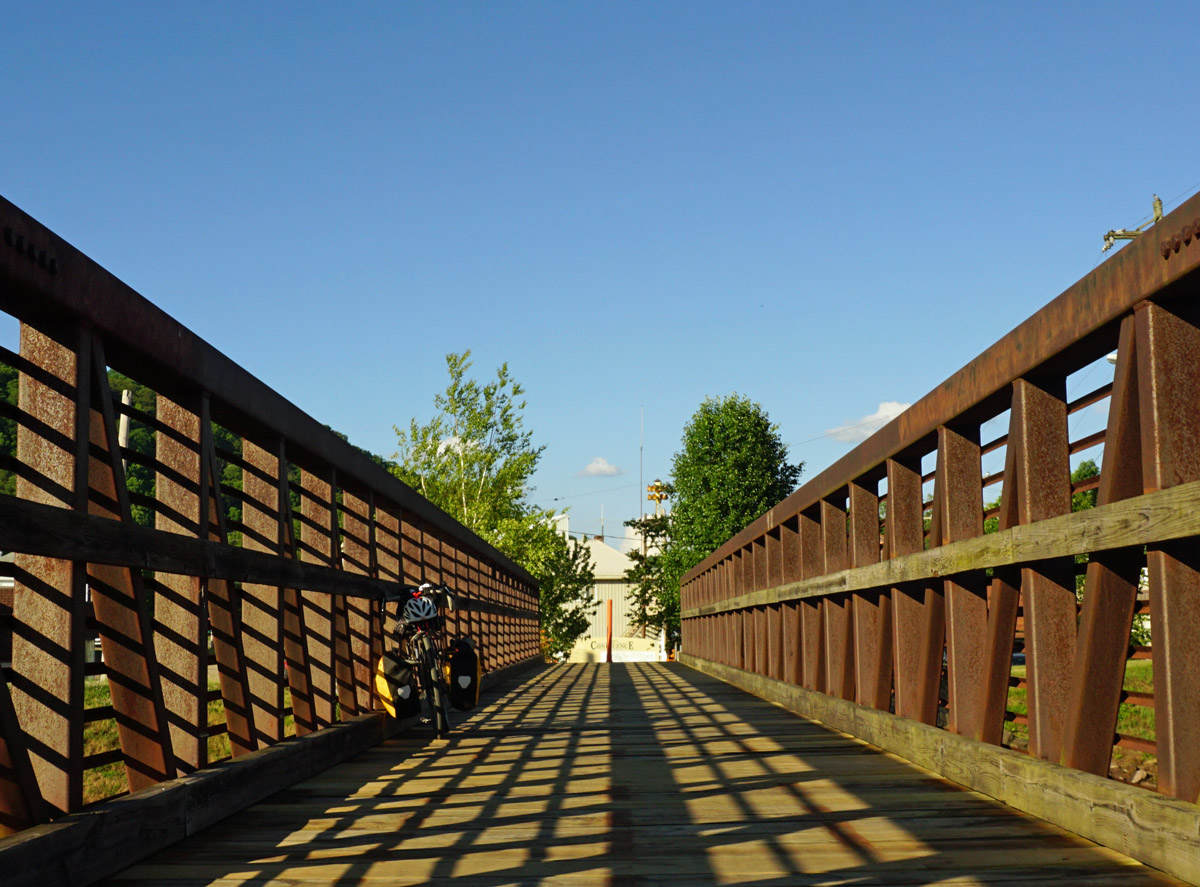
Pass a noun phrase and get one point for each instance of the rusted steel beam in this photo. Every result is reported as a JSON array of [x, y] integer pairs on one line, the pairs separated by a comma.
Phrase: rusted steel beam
[[790, 571], [812, 616], [1042, 477], [262, 619], [960, 508], [180, 616], [839, 624], [1110, 585], [872, 611], [1004, 593], [774, 559], [358, 545], [1064, 326], [1169, 378], [905, 535], [119, 603], [20, 800], [318, 544], [49, 602], [224, 605]]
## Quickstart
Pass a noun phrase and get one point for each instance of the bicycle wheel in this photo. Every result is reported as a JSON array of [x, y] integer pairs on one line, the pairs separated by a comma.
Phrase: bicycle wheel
[[436, 691]]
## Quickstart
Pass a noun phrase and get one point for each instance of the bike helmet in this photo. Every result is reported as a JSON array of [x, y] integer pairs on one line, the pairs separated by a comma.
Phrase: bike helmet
[[418, 609]]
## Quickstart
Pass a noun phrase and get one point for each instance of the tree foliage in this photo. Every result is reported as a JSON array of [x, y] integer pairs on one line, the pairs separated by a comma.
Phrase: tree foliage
[[8, 428], [566, 576], [654, 603], [474, 459], [731, 467]]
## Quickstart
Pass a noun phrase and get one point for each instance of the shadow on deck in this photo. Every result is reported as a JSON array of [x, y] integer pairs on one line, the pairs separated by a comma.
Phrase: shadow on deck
[[632, 774]]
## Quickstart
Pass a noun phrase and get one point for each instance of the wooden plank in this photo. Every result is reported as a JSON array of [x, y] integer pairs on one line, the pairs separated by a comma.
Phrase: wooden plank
[[640, 773], [1159, 831], [86, 847]]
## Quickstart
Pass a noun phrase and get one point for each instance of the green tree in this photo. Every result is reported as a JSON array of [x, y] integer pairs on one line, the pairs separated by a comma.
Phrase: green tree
[[732, 467], [566, 577], [8, 428], [139, 477], [654, 602], [474, 459]]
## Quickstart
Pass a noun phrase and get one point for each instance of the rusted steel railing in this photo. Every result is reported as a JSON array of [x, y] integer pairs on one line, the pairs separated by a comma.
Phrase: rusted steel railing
[[287, 611], [876, 582]]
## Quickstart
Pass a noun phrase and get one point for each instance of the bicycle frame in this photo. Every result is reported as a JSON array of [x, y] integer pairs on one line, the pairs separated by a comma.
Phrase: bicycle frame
[[419, 644]]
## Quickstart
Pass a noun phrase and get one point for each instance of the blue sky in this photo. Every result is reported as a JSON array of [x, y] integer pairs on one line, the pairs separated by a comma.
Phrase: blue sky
[[825, 207]]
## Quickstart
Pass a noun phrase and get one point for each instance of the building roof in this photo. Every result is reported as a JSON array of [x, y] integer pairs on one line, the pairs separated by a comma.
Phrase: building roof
[[609, 563]]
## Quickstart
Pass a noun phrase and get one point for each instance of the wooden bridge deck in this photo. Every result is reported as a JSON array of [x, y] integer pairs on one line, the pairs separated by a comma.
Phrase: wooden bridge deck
[[632, 774]]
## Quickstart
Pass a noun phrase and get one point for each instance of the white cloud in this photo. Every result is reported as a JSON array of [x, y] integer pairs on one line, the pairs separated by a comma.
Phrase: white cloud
[[600, 467], [454, 444], [861, 429]]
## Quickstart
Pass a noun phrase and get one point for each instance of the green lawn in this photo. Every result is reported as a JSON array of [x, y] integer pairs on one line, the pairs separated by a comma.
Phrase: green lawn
[[1132, 720], [100, 736]]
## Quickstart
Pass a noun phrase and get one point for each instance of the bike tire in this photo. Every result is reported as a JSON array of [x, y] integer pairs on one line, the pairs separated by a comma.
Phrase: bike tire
[[437, 693]]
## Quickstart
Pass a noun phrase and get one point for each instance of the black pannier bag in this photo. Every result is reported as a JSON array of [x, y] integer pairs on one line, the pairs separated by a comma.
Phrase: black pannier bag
[[395, 687], [463, 671]]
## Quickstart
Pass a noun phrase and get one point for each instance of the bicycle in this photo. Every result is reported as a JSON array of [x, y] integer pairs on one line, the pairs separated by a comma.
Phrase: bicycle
[[418, 645]]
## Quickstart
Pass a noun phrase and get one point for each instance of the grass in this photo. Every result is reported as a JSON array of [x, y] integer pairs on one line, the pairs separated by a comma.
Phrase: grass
[[109, 781], [1132, 720]]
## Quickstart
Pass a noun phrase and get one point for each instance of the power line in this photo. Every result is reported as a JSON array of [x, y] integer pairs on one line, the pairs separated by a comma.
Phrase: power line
[[592, 493]]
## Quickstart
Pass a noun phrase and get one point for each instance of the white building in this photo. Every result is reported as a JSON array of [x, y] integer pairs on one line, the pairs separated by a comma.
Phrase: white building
[[630, 643]]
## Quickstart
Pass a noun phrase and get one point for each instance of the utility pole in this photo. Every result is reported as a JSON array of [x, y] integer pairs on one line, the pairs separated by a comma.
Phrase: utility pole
[[641, 464]]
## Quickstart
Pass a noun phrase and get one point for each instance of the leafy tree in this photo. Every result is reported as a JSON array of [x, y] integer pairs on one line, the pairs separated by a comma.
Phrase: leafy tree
[[139, 477], [732, 467], [1087, 499], [566, 577], [654, 601], [8, 427], [474, 459]]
